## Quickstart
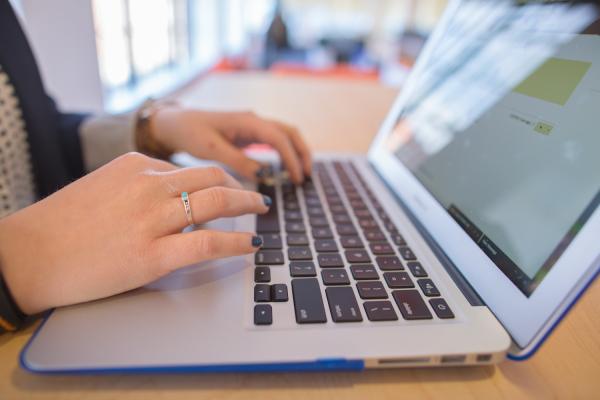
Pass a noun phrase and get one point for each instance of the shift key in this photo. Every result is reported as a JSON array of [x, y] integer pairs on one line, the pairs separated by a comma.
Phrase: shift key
[[308, 303]]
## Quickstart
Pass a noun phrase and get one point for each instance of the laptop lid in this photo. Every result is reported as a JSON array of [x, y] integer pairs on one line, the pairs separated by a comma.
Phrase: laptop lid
[[493, 145]]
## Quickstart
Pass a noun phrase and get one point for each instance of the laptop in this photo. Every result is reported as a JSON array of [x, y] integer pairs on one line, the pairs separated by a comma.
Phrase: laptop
[[462, 237]]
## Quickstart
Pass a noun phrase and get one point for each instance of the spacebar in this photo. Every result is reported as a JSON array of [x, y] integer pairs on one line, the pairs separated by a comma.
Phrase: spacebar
[[308, 302]]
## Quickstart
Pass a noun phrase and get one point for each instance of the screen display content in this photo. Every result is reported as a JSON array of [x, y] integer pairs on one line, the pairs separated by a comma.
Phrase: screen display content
[[502, 126]]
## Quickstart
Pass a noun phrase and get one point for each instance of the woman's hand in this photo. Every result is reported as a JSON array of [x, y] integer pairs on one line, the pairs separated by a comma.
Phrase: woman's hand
[[119, 228], [220, 136]]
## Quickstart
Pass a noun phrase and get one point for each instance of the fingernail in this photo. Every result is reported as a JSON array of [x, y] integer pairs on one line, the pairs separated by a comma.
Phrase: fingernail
[[267, 200], [257, 241], [265, 171]]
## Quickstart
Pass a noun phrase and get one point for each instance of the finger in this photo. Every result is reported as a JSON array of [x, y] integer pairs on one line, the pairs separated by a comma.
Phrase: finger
[[226, 153], [299, 144], [280, 141], [192, 179], [181, 249], [216, 202]]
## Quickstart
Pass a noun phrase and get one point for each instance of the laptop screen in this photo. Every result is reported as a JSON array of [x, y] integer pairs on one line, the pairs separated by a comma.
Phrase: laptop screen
[[502, 126]]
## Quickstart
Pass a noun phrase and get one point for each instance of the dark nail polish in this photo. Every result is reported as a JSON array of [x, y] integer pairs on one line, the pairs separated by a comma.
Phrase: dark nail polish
[[265, 171], [257, 241], [267, 200]]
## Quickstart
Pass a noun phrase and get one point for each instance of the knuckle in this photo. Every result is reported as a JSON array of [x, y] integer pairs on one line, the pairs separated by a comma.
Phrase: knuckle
[[207, 246], [218, 197], [134, 156], [217, 174]]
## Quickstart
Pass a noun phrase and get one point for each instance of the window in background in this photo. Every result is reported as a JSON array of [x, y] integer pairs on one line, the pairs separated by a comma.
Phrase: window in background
[[143, 48], [149, 47]]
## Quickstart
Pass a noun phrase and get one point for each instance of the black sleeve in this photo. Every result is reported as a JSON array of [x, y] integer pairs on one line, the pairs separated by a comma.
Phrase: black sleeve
[[68, 125]]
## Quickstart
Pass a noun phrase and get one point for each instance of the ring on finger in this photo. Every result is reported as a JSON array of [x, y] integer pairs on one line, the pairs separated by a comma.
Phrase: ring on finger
[[185, 198]]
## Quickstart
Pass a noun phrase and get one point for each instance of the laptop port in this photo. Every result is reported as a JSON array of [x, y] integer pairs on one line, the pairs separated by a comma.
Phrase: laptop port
[[390, 362], [453, 359], [484, 358]]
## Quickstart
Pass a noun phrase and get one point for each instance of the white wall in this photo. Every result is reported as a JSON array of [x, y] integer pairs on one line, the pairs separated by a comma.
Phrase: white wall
[[61, 33]]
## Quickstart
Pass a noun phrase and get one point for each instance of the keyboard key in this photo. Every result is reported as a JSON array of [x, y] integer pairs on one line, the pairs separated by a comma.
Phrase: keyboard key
[[363, 214], [295, 227], [428, 287], [313, 202], [380, 311], [407, 253], [268, 222], [351, 242], [346, 230], [342, 304], [398, 239], [334, 200], [299, 253], [271, 241], [357, 256], [364, 272], [322, 233], [289, 197], [263, 314], [308, 303], [367, 223], [342, 219], [268, 257], [335, 276], [441, 308], [292, 215], [381, 248], [262, 293], [416, 269], [353, 195], [384, 216], [297, 239], [374, 235], [279, 292], [389, 263], [337, 209], [330, 260], [371, 290], [302, 269], [315, 211], [398, 280], [358, 204], [291, 205], [390, 227], [318, 222], [325, 245], [262, 274], [411, 304]]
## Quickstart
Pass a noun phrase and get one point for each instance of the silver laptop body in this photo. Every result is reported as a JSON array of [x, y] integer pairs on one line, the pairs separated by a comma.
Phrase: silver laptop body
[[439, 287]]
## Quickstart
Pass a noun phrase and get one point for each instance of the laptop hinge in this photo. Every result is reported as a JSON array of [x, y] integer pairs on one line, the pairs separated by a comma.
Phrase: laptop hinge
[[460, 281]]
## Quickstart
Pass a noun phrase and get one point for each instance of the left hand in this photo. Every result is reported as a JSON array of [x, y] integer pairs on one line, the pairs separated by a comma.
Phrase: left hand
[[220, 136]]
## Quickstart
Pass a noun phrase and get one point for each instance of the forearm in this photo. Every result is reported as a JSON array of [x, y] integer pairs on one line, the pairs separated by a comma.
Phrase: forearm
[[105, 137]]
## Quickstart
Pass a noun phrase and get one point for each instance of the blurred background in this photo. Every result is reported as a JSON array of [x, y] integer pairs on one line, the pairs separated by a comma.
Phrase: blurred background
[[109, 55]]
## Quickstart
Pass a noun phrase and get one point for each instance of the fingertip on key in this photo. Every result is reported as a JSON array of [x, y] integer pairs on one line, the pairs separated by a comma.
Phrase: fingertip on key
[[257, 241]]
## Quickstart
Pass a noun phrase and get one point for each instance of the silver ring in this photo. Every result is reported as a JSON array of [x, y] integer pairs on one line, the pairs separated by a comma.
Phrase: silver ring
[[186, 205]]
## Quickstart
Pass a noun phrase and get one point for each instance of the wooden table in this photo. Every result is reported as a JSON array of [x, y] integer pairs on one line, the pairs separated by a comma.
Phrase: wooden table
[[334, 115]]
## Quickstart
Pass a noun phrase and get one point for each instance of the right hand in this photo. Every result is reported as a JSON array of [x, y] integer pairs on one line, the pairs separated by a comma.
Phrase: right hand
[[119, 228]]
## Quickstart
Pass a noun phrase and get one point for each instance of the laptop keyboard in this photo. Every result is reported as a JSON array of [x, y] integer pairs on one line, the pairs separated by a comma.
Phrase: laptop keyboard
[[335, 242]]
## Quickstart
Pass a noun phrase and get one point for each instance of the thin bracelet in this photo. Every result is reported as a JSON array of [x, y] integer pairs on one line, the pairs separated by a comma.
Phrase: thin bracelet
[[144, 140]]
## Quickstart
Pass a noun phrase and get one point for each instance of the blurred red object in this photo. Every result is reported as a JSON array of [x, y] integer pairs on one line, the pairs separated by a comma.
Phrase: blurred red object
[[345, 71]]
